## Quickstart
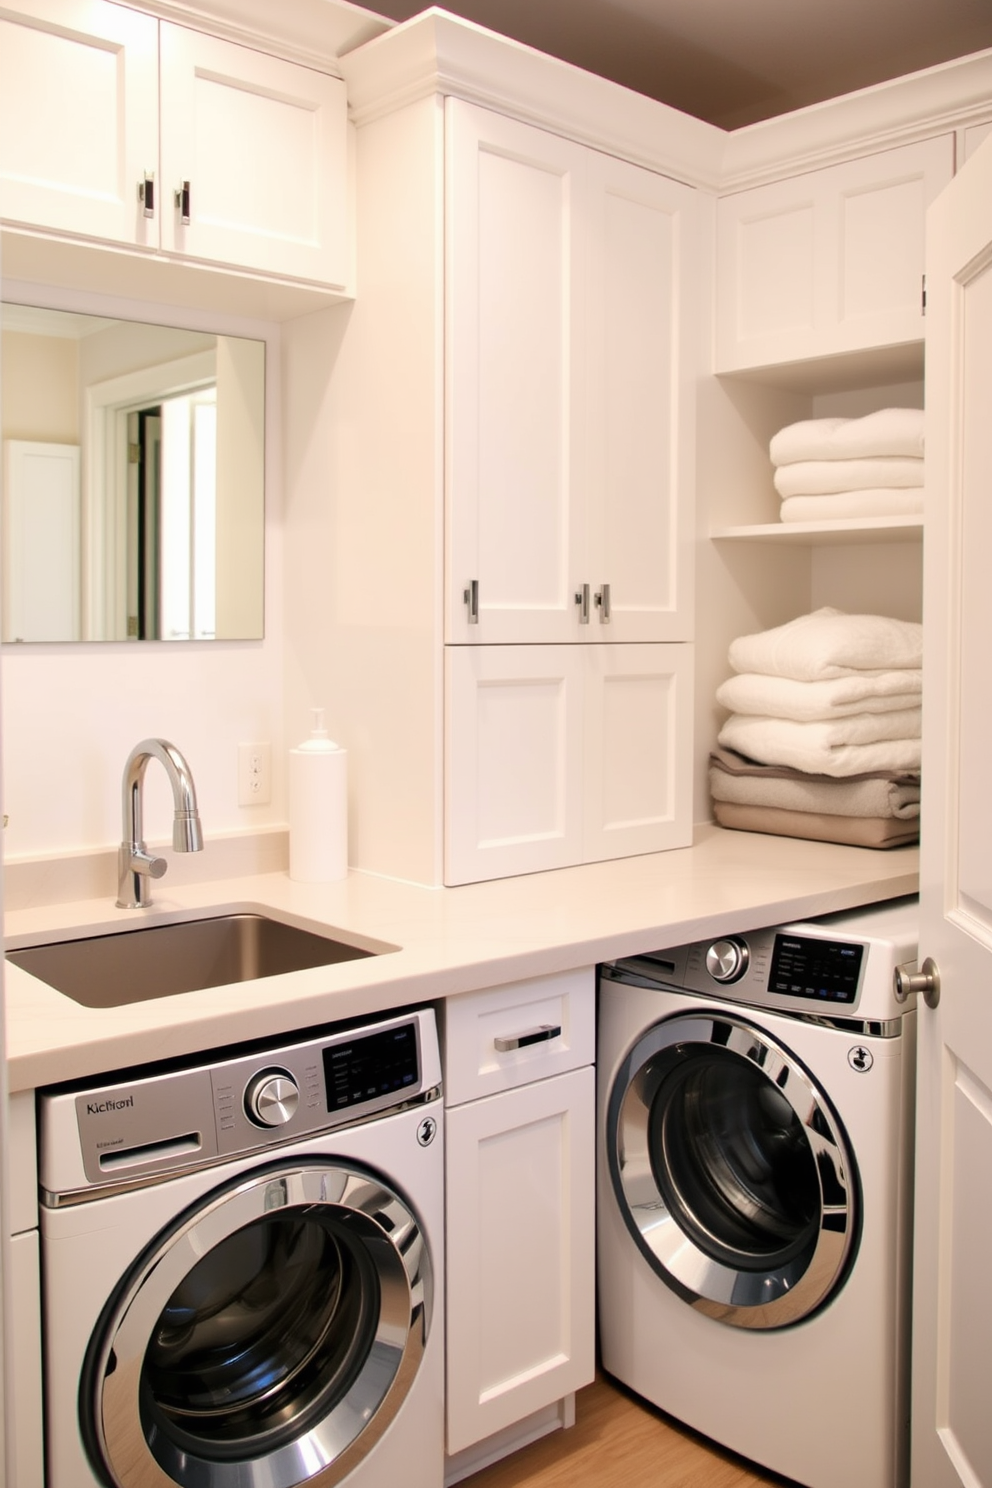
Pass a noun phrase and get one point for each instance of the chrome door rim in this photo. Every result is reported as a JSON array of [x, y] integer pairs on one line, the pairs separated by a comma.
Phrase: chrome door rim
[[328, 1448], [752, 1298]]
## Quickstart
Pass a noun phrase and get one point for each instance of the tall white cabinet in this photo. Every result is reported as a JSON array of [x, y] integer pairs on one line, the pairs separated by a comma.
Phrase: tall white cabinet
[[547, 519]]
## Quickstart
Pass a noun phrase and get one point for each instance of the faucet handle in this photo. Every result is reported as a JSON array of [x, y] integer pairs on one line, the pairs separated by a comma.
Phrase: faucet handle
[[148, 865]]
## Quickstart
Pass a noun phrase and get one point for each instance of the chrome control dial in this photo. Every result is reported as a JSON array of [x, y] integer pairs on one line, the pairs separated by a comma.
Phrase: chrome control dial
[[271, 1098], [727, 960]]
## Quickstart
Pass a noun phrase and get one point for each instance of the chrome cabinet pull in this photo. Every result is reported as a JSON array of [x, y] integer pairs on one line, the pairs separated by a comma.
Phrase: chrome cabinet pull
[[471, 598], [182, 203], [582, 600], [146, 193], [540, 1035], [603, 601]]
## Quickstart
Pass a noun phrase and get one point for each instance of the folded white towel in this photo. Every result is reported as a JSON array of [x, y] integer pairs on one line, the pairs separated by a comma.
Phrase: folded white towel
[[890, 431], [829, 643], [806, 702], [847, 747], [824, 477], [841, 505]]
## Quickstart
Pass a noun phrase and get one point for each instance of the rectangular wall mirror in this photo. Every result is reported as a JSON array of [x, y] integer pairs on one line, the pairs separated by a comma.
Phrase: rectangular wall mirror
[[133, 480]]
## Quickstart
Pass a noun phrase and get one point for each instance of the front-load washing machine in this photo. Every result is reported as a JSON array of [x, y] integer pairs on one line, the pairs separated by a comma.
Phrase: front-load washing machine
[[242, 1267], [755, 1108]]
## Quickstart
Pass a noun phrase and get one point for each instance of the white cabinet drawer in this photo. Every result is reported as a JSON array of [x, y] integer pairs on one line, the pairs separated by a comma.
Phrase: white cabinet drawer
[[503, 1036]]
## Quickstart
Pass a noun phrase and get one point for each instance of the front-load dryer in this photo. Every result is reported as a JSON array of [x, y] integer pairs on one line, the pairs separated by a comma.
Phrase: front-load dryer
[[755, 1107], [242, 1268]]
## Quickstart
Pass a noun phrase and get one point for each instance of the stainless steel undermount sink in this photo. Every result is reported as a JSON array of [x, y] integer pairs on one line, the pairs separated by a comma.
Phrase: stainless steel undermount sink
[[149, 961]]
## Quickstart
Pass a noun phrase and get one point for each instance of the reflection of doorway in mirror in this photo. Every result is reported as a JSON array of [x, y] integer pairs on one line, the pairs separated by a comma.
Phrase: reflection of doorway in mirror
[[172, 518]]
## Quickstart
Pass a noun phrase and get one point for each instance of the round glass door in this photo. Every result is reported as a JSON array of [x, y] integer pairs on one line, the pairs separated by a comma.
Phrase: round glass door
[[732, 1173], [269, 1338]]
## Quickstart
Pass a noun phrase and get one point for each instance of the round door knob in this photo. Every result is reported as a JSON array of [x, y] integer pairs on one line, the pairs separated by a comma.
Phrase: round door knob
[[726, 960], [272, 1098]]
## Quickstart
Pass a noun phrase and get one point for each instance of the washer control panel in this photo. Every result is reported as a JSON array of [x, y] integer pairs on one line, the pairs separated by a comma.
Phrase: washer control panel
[[839, 966], [169, 1121]]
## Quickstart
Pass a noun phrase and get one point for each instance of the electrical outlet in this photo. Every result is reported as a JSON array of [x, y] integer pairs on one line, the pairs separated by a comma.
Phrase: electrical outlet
[[254, 774]]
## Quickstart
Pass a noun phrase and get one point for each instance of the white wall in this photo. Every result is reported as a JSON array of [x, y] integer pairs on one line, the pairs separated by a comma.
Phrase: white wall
[[71, 713]]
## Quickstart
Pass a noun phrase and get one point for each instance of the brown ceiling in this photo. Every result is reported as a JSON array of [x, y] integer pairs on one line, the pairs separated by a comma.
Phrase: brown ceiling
[[733, 62]]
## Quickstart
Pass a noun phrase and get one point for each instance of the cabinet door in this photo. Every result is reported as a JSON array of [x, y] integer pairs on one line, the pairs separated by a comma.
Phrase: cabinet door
[[262, 144], [638, 750], [640, 389], [78, 117], [514, 360], [827, 262], [520, 1253], [513, 760]]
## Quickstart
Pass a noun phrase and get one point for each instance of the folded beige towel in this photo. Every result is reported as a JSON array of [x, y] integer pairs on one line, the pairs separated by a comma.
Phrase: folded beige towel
[[821, 477], [890, 431], [854, 831], [829, 643], [849, 746], [782, 697], [744, 782], [842, 505]]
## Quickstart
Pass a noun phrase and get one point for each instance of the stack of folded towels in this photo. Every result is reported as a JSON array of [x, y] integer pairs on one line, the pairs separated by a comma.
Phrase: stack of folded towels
[[850, 467], [823, 738]]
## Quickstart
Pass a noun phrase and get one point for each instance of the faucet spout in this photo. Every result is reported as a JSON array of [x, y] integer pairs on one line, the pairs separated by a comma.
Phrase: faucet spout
[[136, 865]]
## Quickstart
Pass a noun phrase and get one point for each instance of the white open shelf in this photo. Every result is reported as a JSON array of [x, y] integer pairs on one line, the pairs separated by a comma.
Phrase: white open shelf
[[813, 534]]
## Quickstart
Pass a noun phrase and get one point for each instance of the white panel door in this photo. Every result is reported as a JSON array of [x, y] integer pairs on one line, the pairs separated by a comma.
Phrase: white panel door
[[952, 1342], [78, 117], [514, 360], [262, 145], [41, 550], [520, 1253], [638, 749], [513, 760], [827, 262], [639, 432]]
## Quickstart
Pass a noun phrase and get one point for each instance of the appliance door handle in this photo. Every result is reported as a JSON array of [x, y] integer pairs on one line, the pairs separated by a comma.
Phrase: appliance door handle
[[540, 1035]]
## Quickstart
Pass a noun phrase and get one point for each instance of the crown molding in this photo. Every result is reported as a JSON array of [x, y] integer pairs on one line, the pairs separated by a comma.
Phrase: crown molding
[[310, 32], [436, 52], [920, 105]]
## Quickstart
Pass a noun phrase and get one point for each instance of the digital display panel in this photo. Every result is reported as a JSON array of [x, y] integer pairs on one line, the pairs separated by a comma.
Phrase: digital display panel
[[370, 1065], [822, 970]]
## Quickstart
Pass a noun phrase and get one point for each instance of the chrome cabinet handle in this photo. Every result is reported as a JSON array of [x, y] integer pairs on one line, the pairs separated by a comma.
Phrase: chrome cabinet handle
[[540, 1035], [471, 598], [146, 193], [603, 601], [582, 600], [182, 203]]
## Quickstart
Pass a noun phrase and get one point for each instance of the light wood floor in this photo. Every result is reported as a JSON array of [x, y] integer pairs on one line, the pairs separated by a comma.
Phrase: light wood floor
[[620, 1442]]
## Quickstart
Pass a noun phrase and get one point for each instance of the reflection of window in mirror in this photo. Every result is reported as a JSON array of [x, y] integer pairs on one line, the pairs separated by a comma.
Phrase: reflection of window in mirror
[[159, 533]]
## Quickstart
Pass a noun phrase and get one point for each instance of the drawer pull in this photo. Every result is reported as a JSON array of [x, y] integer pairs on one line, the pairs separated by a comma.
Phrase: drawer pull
[[540, 1035]]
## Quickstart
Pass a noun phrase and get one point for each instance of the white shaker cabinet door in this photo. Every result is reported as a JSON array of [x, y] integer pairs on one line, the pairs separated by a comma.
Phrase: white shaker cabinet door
[[642, 337], [520, 1243], [827, 262], [254, 160], [79, 118], [514, 363], [513, 760], [637, 765]]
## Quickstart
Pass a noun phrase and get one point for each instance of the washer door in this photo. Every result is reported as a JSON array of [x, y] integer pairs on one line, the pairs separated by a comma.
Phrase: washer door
[[268, 1338], [732, 1173]]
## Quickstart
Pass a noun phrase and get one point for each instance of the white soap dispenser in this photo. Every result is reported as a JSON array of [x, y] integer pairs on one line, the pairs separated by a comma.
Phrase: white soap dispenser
[[318, 807]]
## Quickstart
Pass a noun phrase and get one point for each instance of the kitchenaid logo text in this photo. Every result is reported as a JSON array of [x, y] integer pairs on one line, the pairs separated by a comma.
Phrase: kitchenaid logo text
[[97, 1108]]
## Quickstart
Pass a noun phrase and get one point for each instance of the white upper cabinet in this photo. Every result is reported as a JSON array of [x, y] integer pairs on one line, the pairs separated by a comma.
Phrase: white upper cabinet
[[569, 339], [117, 127], [78, 118], [254, 149], [827, 262]]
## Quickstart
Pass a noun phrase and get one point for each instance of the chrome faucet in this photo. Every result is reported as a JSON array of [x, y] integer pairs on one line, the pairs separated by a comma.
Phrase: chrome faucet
[[135, 864]]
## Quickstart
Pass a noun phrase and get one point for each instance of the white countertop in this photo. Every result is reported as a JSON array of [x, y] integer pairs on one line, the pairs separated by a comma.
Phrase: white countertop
[[449, 940]]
